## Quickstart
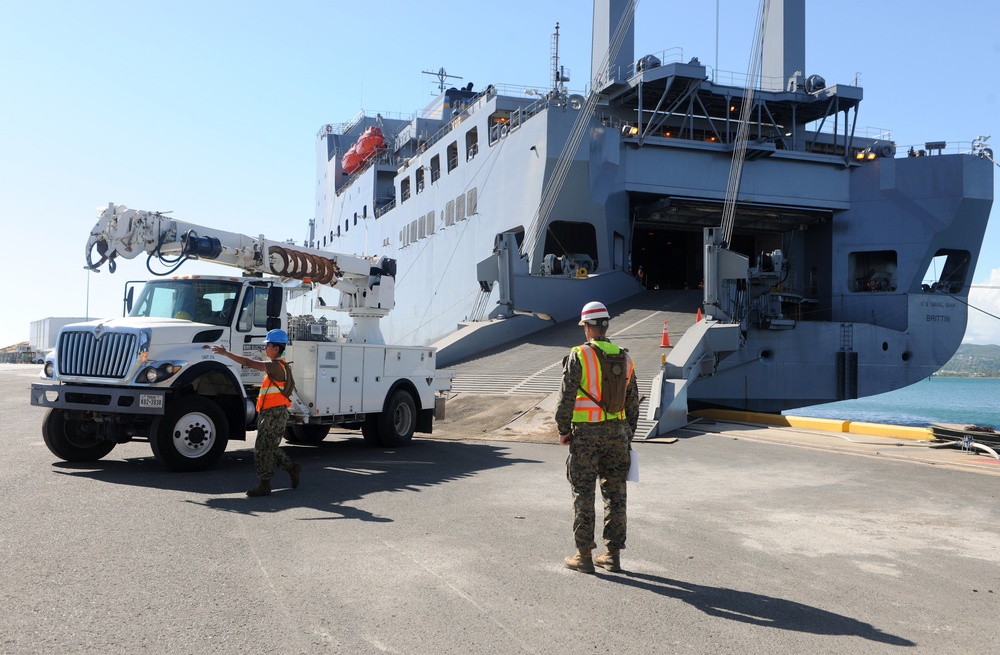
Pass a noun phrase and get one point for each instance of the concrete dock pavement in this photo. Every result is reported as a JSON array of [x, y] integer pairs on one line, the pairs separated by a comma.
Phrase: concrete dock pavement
[[742, 539]]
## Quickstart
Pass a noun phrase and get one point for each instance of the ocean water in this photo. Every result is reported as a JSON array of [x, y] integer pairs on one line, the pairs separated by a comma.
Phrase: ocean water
[[967, 401]]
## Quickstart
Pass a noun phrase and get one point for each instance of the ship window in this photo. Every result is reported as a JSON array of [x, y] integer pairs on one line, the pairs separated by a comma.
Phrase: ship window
[[347, 225], [573, 239], [364, 212], [947, 271], [430, 223], [331, 235], [404, 189], [471, 143], [449, 213], [452, 156], [872, 271], [355, 218], [499, 123], [338, 230], [460, 208], [420, 179], [435, 168]]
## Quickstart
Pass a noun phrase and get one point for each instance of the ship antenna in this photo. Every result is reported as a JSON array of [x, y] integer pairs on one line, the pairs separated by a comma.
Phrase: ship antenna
[[441, 74], [558, 74], [554, 48]]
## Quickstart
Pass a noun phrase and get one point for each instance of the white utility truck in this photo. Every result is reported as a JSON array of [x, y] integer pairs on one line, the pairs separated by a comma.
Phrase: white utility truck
[[148, 374]]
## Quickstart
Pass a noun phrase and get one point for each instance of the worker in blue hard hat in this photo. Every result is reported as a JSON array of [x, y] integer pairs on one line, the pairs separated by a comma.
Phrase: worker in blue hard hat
[[273, 402]]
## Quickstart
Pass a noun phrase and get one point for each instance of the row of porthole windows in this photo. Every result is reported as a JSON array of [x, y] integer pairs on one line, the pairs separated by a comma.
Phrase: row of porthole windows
[[347, 225], [463, 206]]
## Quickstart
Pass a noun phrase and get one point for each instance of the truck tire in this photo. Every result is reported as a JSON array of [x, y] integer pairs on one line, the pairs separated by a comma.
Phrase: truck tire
[[397, 420], [306, 433], [191, 435], [67, 441]]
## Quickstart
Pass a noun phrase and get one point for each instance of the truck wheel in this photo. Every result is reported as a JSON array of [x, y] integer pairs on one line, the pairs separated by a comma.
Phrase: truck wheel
[[191, 435], [306, 433], [397, 420], [67, 440]]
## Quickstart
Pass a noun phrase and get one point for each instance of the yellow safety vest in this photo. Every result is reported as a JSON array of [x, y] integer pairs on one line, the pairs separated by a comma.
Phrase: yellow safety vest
[[586, 410], [272, 392]]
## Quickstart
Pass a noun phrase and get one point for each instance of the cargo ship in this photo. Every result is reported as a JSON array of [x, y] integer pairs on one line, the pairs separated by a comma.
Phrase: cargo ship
[[833, 263]]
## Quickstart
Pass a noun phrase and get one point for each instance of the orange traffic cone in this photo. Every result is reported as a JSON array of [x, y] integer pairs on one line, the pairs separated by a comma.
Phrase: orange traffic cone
[[698, 317], [665, 341]]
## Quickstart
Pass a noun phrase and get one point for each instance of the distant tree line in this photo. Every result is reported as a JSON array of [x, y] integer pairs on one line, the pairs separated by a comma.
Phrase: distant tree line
[[973, 361]]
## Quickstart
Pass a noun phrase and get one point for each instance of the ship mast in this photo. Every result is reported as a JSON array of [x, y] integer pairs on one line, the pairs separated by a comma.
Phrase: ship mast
[[558, 74], [441, 74]]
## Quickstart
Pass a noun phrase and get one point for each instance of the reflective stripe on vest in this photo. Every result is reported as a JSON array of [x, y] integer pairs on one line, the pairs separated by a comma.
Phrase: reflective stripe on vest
[[271, 392], [586, 410]]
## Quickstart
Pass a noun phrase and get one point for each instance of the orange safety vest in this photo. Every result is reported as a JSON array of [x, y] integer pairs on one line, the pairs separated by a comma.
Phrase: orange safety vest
[[586, 410], [272, 392]]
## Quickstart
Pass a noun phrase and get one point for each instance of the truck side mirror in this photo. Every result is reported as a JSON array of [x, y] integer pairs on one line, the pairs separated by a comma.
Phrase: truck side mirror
[[275, 296], [129, 296]]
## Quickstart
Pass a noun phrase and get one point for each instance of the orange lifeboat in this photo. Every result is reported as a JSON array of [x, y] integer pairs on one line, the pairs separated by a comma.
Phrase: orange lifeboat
[[370, 143], [351, 161]]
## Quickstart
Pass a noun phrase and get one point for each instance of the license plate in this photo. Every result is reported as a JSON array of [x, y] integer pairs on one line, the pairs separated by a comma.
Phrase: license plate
[[152, 401]]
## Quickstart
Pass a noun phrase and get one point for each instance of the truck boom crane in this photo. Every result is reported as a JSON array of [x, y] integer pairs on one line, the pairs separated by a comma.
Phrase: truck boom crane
[[366, 284]]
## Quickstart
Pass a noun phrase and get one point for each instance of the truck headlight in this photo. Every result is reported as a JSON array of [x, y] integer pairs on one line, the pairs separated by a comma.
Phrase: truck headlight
[[49, 370], [158, 373]]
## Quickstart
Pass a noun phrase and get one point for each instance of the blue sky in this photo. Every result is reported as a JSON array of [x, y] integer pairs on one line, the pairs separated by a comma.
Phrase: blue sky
[[210, 109]]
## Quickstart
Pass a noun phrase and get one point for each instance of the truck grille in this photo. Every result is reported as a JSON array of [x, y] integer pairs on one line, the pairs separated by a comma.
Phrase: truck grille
[[110, 356]]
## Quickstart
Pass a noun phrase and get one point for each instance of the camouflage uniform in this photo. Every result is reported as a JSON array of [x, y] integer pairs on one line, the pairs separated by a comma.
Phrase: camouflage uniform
[[597, 452], [266, 453]]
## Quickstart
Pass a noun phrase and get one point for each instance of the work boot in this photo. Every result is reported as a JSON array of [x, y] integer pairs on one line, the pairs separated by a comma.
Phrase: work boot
[[263, 488], [294, 474], [610, 560], [581, 562]]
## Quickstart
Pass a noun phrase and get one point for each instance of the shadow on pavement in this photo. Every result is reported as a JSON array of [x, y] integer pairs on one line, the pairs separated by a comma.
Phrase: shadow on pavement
[[758, 609], [333, 474]]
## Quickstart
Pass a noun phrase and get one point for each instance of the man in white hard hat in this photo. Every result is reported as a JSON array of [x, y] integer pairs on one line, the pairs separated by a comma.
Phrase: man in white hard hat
[[596, 417]]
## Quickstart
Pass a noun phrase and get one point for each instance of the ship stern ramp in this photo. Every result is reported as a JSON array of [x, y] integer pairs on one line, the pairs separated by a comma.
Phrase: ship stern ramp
[[510, 391]]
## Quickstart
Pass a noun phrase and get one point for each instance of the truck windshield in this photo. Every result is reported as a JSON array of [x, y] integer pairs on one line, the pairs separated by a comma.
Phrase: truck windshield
[[199, 300]]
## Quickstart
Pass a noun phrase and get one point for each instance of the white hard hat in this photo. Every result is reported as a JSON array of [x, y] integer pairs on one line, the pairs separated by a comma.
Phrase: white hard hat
[[593, 312]]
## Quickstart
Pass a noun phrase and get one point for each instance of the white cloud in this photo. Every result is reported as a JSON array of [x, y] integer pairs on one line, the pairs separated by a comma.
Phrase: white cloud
[[984, 328]]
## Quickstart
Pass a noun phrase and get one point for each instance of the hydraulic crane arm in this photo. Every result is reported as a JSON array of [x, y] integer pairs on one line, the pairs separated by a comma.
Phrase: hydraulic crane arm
[[366, 284]]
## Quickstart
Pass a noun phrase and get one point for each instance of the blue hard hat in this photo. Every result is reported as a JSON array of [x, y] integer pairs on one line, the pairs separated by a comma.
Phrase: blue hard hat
[[276, 336]]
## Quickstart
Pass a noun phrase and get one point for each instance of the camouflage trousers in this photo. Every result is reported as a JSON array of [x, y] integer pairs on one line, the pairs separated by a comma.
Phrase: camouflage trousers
[[266, 454], [599, 452]]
